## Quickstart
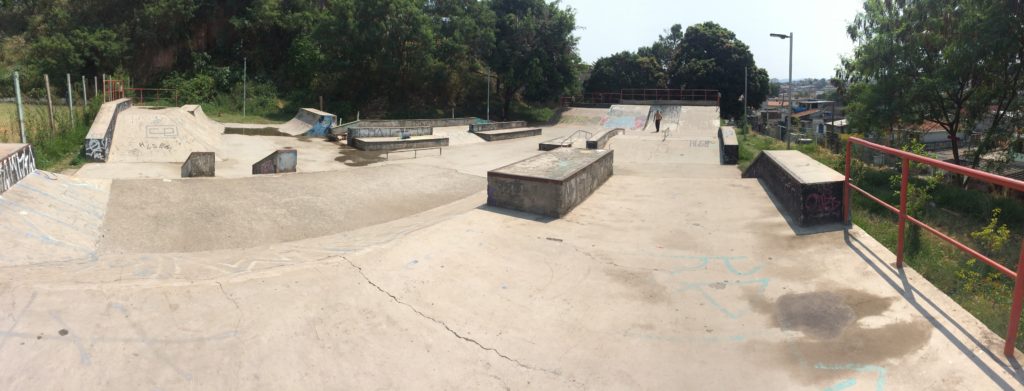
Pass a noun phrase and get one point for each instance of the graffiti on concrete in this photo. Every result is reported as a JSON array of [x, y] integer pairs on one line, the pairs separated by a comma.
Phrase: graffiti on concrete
[[16, 166], [161, 128], [822, 203]]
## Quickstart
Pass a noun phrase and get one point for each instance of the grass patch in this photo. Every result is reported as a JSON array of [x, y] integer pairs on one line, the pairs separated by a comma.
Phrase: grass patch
[[56, 148], [958, 212]]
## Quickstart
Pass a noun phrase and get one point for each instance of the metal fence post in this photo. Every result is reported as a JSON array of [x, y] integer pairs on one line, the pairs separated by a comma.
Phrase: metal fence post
[[21, 109], [71, 106], [1015, 308], [49, 104], [904, 181], [85, 94], [846, 186]]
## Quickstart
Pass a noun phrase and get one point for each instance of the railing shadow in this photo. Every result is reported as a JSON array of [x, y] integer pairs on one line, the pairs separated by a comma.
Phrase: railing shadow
[[912, 295]]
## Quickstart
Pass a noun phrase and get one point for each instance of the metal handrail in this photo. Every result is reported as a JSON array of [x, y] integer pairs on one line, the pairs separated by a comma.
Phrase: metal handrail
[[906, 158], [573, 136], [142, 93]]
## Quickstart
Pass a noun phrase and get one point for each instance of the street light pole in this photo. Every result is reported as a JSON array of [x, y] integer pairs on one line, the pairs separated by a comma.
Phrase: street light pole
[[789, 97]]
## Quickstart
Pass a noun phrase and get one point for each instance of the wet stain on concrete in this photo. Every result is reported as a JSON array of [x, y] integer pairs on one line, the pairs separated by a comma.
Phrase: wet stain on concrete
[[355, 158], [822, 315], [834, 333], [62, 332], [642, 285]]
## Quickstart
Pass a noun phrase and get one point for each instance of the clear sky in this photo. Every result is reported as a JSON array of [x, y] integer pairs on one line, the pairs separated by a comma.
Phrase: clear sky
[[819, 26]]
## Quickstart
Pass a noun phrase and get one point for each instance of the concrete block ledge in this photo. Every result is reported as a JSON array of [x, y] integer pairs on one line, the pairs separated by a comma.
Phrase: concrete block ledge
[[394, 143], [199, 164], [551, 183], [729, 144], [496, 126], [282, 160], [809, 192]]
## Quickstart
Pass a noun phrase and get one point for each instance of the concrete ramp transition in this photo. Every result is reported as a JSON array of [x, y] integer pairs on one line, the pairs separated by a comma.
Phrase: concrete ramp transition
[[162, 135]]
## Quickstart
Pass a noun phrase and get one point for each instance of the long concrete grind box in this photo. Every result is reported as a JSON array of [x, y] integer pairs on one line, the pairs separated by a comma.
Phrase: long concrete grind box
[[550, 184], [811, 193]]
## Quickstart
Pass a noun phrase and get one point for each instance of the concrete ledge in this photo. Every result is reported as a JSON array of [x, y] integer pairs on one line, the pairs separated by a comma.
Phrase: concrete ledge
[[600, 139], [358, 132], [549, 184], [199, 164], [496, 126], [808, 191], [395, 143], [16, 163], [729, 144], [412, 123], [554, 143], [282, 160], [506, 134], [97, 141]]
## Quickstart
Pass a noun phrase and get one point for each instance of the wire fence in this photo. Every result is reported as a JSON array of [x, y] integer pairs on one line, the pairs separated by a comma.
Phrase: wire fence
[[51, 105]]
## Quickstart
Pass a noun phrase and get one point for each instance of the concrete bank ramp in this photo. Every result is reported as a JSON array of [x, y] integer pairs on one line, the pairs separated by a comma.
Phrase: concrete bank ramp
[[164, 135], [309, 122], [669, 117], [580, 116], [160, 216], [51, 218], [630, 117]]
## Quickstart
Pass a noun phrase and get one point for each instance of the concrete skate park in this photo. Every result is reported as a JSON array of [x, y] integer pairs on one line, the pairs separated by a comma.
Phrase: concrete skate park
[[463, 257]]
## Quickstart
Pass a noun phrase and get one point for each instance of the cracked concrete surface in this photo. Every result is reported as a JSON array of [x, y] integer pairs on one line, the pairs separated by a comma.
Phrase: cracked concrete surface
[[675, 274]]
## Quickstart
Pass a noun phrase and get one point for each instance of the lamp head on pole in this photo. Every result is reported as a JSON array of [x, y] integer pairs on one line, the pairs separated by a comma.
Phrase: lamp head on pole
[[780, 36]]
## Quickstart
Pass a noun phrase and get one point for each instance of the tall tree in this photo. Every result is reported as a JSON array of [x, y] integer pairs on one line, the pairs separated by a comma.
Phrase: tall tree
[[710, 57], [957, 64], [535, 53], [624, 70]]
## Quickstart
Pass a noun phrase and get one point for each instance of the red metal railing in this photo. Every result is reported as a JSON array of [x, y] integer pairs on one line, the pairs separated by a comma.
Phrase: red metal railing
[[906, 158], [139, 95], [670, 94], [113, 89], [643, 94]]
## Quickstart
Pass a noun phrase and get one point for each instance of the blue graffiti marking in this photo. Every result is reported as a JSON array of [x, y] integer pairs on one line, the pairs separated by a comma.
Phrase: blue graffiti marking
[[879, 371], [727, 261]]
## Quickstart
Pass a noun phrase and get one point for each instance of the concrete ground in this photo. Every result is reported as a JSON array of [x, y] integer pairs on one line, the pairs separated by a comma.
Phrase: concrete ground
[[675, 274]]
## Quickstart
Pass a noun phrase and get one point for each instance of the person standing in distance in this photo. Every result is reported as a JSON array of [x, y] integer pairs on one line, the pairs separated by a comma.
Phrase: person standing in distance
[[657, 121]]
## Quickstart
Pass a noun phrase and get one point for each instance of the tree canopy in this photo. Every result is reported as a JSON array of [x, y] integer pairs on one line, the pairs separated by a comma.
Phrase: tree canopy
[[704, 56], [955, 64], [400, 57]]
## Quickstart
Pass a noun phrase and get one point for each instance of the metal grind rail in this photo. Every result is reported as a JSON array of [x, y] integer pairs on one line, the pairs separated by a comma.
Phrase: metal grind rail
[[901, 211]]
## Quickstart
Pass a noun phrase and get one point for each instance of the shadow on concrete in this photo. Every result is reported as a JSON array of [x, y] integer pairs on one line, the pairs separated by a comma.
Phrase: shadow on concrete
[[517, 214], [930, 311], [799, 230], [355, 158]]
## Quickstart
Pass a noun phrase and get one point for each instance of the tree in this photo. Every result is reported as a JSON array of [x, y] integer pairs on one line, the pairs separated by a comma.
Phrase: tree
[[664, 48], [957, 64], [624, 70], [710, 57], [535, 53]]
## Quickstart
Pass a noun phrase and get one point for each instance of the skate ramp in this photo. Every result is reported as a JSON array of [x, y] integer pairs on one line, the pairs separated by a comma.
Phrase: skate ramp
[[669, 117], [162, 135], [164, 216], [630, 117], [583, 116], [309, 122]]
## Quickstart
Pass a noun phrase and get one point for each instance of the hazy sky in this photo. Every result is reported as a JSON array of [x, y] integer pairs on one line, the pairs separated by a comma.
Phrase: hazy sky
[[819, 26]]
